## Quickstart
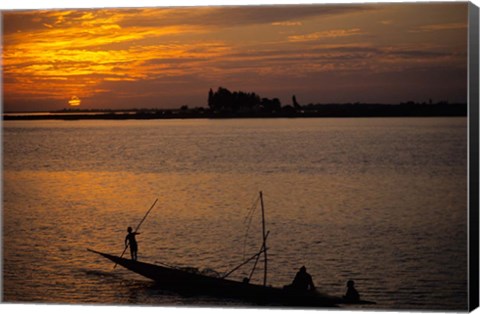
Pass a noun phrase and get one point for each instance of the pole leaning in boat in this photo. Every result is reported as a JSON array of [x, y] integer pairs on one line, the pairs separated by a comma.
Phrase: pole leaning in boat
[[256, 255], [264, 241], [138, 227]]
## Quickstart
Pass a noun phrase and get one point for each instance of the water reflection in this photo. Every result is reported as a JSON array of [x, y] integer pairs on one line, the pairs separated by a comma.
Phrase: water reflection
[[342, 197]]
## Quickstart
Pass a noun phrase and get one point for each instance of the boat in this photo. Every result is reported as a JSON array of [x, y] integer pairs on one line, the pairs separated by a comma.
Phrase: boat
[[191, 283], [188, 281]]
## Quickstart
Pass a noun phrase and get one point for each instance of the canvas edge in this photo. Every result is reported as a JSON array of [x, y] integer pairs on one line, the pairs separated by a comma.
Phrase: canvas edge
[[473, 130], [473, 81]]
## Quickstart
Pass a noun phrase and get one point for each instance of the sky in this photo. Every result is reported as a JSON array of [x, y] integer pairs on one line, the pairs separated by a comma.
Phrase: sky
[[169, 57]]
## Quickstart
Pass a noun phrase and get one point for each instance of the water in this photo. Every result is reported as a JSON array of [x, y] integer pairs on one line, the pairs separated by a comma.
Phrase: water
[[380, 201]]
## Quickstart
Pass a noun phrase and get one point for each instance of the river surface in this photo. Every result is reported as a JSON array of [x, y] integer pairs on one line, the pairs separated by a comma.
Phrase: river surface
[[379, 201]]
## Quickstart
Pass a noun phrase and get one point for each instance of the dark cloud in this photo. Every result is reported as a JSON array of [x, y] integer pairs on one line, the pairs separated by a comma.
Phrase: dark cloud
[[21, 21], [232, 16], [221, 16], [172, 56], [334, 55], [15, 21], [419, 54]]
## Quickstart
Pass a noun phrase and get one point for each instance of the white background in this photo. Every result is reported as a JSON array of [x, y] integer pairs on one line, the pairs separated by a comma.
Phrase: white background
[[81, 309]]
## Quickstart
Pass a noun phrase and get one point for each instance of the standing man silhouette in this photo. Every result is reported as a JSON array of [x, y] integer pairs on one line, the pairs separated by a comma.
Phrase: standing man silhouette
[[130, 240]]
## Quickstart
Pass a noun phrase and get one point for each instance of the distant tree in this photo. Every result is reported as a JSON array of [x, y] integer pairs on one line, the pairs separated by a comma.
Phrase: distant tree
[[289, 110], [210, 99], [276, 105], [271, 105], [225, 101], [295, 103], [222, 100]]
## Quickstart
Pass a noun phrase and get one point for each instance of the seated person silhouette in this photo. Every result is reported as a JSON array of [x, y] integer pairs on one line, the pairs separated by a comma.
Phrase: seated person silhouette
[[352, 293], [302, 281]]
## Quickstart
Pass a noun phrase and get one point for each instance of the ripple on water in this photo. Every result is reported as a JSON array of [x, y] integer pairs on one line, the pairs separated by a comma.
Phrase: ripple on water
[[380, 201]]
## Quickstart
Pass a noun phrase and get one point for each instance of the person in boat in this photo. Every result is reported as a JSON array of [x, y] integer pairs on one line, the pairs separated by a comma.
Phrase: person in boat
[[302, 281], [132, 242], [352, 293]]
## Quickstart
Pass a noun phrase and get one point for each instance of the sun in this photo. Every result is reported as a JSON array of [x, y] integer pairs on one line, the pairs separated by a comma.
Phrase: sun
[[74, 101]]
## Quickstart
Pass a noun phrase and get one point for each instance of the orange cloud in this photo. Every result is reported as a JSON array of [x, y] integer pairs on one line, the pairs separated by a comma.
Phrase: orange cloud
[[287, 23], [155, 53], [77, 46], [439, 27], [326, 34]]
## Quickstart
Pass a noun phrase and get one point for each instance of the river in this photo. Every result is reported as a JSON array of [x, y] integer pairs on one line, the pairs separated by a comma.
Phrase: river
[[382, 201]]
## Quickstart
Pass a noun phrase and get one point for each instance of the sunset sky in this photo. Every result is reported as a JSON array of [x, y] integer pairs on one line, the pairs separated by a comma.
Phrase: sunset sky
[[169, 57]]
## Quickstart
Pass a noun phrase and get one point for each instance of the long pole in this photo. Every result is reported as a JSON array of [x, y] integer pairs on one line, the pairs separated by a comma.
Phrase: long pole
[[138, 227], [145, 217], [264, 241]]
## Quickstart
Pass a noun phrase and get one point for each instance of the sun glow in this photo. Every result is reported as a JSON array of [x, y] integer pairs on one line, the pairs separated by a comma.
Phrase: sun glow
[[74, 101], [125, 56]]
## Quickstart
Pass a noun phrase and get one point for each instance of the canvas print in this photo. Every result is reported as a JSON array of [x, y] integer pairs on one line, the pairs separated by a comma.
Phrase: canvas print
[[269, 156]]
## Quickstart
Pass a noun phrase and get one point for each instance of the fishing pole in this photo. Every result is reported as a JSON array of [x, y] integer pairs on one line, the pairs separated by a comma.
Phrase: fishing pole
[[138, 227]]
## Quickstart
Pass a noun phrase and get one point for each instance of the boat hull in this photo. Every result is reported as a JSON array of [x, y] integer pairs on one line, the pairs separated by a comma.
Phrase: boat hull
[[196, 284]]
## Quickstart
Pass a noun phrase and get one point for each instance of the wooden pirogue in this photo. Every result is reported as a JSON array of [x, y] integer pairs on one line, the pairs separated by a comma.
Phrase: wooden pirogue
[[194, 283], [197, 284]]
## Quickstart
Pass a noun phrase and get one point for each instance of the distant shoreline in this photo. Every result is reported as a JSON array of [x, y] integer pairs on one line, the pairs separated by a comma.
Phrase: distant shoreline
[[224, 104], [153, 117], [318, 111], [310, 111]]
